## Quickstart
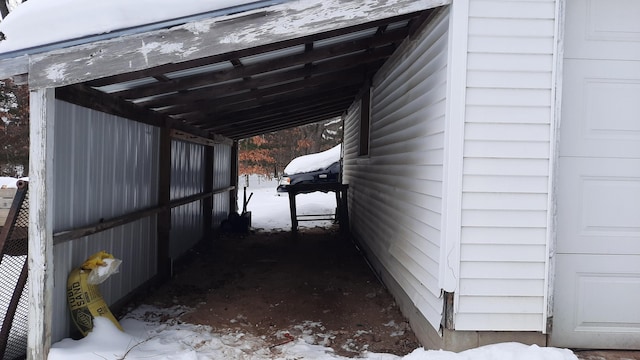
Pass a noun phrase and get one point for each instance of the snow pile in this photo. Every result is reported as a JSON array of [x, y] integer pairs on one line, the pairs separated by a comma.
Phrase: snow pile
[[270, 210], [314, 162], [7, 182], [40, 22], [154, 333]]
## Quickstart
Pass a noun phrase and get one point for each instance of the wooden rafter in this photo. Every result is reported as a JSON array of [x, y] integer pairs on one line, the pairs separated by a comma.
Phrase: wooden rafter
[[271, 85]]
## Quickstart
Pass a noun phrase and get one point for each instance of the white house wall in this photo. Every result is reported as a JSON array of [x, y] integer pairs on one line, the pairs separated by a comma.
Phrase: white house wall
[[395, 193], [105, 166], [505, 188], [187, 178]]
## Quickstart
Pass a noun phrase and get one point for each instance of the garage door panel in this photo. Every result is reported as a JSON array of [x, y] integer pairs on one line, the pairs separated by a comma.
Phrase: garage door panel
[[597, 304], [596, 29], [599, 206], [600, 110], [597, 273]]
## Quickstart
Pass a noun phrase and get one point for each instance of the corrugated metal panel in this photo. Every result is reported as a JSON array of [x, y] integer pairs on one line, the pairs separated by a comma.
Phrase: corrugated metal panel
[[187, 178], [221, 179], [506, 166], [105, 166], [396, 192]]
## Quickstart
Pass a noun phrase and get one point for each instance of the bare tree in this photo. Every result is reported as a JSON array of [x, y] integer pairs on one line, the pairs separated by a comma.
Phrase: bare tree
[[4, 9], [6, 6], [14, 129]]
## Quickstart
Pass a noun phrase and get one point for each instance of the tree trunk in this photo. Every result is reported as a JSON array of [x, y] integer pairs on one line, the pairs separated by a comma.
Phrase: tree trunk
[[314, 133], [4, 10]]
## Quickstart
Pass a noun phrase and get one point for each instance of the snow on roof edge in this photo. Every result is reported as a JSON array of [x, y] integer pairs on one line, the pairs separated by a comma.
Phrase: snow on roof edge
[[102, 34]]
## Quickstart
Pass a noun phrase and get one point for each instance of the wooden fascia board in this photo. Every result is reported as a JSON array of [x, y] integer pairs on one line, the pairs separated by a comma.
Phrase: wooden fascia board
[[210, 37], [14, 67]]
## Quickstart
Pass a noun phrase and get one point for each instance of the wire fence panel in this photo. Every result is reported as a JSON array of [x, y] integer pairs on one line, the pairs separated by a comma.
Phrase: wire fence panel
[[14, 304]]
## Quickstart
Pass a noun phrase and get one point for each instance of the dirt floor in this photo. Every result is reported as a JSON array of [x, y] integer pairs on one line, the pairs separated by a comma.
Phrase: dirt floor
[[280, 287]]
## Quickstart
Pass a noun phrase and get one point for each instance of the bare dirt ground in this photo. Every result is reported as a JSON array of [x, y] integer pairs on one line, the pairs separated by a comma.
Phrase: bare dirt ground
[[272, 285]]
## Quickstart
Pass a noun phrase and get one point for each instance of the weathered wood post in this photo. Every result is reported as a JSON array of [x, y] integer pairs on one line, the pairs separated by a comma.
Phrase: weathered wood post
[[40, 258]]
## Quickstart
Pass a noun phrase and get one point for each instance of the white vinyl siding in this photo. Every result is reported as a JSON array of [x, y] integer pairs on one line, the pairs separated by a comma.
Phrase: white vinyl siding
[[505, 191], [395, 192]]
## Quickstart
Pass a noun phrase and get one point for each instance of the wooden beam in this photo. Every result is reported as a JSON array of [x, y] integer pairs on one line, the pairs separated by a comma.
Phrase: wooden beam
[[94, 99], [181, 135], [239, 71], [227, 104], [40, 258], [283, 91], [14, 67], [257, 129], [303, 96], [345, 64], [282, 110], [210, 37], [97, 100], [76, 233], [245, 52], [304, 121]]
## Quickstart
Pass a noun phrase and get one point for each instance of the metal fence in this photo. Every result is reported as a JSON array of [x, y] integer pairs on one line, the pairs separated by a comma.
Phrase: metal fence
[[13, 277]]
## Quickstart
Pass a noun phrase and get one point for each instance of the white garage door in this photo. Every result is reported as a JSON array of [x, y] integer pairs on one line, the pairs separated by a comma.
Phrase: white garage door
[[597, 284]]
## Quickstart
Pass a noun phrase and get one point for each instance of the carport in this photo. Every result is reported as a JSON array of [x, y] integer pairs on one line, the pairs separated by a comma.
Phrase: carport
[[176, 97]]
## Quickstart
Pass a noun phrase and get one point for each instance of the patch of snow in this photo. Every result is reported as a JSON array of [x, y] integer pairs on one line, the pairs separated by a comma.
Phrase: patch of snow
[[7, 182], [40, 22], [314, 162], [270, 209]]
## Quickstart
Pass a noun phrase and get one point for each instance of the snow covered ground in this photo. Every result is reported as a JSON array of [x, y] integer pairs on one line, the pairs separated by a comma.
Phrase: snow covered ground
[[270, 210], [153, 333]]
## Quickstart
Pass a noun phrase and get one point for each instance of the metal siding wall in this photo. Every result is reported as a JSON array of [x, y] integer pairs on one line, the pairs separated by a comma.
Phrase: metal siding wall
[[396, 193], [187, 178], [221, 179], [105, 166], [506, 166]]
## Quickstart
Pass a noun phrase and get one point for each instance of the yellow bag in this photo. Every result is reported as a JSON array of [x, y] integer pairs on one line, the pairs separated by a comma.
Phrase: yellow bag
[[84, 299]]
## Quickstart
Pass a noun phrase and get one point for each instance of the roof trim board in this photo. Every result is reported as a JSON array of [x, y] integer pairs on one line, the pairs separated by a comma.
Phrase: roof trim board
[[210, 37]]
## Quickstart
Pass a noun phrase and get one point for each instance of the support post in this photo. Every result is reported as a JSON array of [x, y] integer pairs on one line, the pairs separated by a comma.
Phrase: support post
[[233, 196], [293, 210], [164, 200], [207, 203], [40, 253]]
